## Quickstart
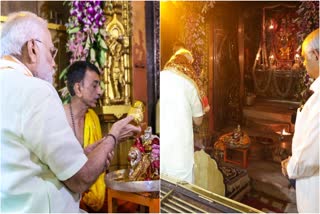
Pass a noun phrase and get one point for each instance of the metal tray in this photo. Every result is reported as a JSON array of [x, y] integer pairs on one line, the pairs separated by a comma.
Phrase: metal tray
[[118, 180]]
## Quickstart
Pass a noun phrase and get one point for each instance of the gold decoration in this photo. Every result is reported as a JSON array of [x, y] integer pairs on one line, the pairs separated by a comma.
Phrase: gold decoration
[[117, 110], [137, 111], [141, 169], [144, 157], [117, 70], [116, 74]]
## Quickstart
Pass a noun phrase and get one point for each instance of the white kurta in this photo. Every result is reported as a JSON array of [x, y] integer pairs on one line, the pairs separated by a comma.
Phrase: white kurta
[[179, 103], [38, 147], [304, 163]]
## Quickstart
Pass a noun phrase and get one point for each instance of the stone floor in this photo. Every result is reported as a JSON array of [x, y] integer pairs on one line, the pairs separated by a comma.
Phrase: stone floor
[[266, 177], [275, 111], [264, 202], [265, 119]]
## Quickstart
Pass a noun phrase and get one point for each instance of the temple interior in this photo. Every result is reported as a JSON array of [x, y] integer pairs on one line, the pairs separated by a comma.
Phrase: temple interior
[[248, 57]]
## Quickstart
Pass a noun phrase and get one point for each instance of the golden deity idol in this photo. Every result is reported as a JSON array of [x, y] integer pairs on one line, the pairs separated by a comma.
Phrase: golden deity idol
[[137, 112]]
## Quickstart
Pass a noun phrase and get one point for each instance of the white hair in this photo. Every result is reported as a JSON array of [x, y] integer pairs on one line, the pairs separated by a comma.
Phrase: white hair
[[311, 42], [19, 28]]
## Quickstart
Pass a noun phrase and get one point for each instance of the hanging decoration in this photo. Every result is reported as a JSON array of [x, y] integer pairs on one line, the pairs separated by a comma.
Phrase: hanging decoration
[[288, 77]]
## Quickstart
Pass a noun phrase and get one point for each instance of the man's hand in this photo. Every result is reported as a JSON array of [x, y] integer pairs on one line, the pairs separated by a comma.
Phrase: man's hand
[[198, 143], [99, 156], [197, 120], [122, 129], [109, 159], [284, 165], [91, 147]]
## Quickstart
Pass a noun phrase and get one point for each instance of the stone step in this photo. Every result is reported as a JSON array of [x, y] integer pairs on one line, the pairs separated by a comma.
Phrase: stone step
[[270, 126], [266, 177], [264, 115], [274, 115], [281, 193]]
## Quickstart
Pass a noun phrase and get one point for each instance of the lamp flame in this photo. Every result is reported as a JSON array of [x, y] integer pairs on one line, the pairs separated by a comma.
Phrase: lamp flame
[[284, 133]]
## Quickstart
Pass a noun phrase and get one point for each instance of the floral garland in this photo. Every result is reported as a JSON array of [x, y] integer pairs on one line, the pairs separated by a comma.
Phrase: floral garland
[[307, 21], [267, 85], [276, 82], [86, 37]]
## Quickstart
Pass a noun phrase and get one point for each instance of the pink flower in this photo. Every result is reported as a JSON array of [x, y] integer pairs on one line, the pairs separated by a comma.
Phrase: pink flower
[[155, 146]]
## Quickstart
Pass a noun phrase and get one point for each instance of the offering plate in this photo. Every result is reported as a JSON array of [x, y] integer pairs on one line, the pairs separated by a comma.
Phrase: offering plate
[[119, 180]]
